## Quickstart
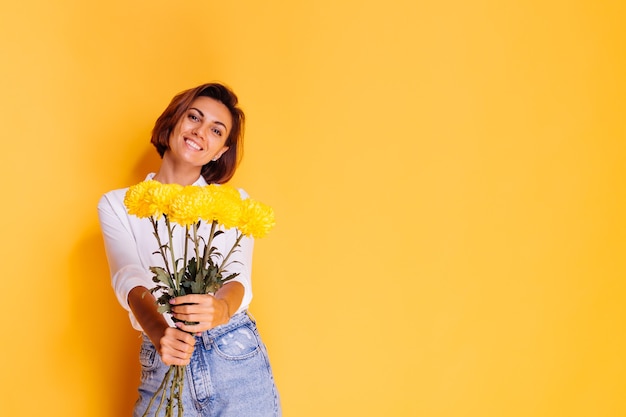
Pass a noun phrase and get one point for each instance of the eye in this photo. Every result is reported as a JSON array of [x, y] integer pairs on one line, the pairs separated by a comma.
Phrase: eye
[[217, 131], [193, 117]]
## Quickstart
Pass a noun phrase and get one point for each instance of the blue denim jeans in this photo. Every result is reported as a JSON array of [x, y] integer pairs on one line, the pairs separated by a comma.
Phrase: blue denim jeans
[[229, 374]]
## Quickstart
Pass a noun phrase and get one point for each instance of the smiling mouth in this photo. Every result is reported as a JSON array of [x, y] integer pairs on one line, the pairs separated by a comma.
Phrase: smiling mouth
[[193, 144]]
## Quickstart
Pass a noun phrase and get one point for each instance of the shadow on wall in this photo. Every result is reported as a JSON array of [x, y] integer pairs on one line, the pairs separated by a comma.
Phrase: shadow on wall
[[108, 346], [148, 161], [119, 360], [100, 341]]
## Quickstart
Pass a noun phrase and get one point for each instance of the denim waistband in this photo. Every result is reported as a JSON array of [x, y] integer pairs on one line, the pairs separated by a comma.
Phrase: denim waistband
[[237, 320]]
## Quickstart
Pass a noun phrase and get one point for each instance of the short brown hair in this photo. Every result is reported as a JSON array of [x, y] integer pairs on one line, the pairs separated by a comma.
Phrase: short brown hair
[[223, 169]]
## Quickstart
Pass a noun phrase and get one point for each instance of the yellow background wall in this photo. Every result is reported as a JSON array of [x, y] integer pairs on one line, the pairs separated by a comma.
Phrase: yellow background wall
[[448, 178]]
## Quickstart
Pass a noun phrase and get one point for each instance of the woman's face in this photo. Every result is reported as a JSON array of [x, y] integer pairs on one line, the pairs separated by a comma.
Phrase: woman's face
[[200, 135]]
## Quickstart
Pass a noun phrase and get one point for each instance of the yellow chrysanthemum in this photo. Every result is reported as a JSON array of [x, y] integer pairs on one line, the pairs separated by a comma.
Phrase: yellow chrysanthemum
[[136, 200], [257, 219], [186, 207], [150, 198], [161, 197], [222, 203]]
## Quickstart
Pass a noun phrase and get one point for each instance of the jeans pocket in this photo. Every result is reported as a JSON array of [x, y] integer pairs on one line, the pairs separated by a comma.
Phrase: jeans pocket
[[239, 343], [148, 357]]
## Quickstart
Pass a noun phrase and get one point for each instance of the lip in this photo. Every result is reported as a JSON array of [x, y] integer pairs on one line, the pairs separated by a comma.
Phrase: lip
[[190, 143]]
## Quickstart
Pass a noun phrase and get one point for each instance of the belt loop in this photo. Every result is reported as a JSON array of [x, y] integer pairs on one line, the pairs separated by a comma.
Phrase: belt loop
[[206, 340], [250, 316]]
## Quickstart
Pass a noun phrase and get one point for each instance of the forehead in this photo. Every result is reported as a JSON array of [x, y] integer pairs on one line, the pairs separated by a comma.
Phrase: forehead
[[213, 110]]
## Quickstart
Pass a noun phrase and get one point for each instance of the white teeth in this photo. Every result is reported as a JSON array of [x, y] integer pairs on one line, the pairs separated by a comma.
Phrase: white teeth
[[193, 144]]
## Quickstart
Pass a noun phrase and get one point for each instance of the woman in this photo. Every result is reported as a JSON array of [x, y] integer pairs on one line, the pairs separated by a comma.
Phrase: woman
[[199, 138]]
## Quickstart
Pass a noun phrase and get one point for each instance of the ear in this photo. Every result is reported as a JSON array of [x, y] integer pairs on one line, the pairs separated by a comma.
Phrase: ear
[[220, 153]]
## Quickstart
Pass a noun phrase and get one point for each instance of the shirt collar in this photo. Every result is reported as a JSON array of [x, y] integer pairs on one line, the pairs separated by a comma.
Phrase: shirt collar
[[200, 181]]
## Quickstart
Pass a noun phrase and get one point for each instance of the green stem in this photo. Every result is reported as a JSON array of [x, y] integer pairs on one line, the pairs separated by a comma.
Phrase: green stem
[[209, 242], [155, 226], [224, 263], [197, 248], [176, 274], [180, 391], [160, 389], [170, 404], [186, 249]]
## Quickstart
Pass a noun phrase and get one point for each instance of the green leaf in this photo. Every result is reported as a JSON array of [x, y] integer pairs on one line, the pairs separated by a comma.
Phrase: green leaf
[[163, 308], [228, 278], [192, 269], [161, 275]]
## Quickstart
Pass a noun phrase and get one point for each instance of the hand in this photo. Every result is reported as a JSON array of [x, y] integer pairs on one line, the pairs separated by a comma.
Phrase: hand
[[176, 347], [205, 309]]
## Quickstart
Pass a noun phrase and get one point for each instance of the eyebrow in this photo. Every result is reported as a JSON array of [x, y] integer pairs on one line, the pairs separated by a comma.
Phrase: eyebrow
[[202, 114]]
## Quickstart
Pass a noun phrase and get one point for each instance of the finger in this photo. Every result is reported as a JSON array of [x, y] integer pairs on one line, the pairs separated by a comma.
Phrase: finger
[[174, 357], [182, 352], [195, 317], [195, 328], [174, 334], [172, 360], [189, 309], [177, 343], [192, 299]]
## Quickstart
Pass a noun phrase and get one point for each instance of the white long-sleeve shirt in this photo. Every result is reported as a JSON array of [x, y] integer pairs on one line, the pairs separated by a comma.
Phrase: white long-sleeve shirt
[[131, 245]]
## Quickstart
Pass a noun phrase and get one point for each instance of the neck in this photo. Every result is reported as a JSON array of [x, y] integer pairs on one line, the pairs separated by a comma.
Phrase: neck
[[170, 173]]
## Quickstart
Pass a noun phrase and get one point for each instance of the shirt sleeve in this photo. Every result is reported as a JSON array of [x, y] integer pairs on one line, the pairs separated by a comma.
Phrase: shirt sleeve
[[242, 263], [127, 271]]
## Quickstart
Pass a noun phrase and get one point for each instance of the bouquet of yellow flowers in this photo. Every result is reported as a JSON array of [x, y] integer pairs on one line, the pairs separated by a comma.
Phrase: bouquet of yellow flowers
[[201, 268]]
